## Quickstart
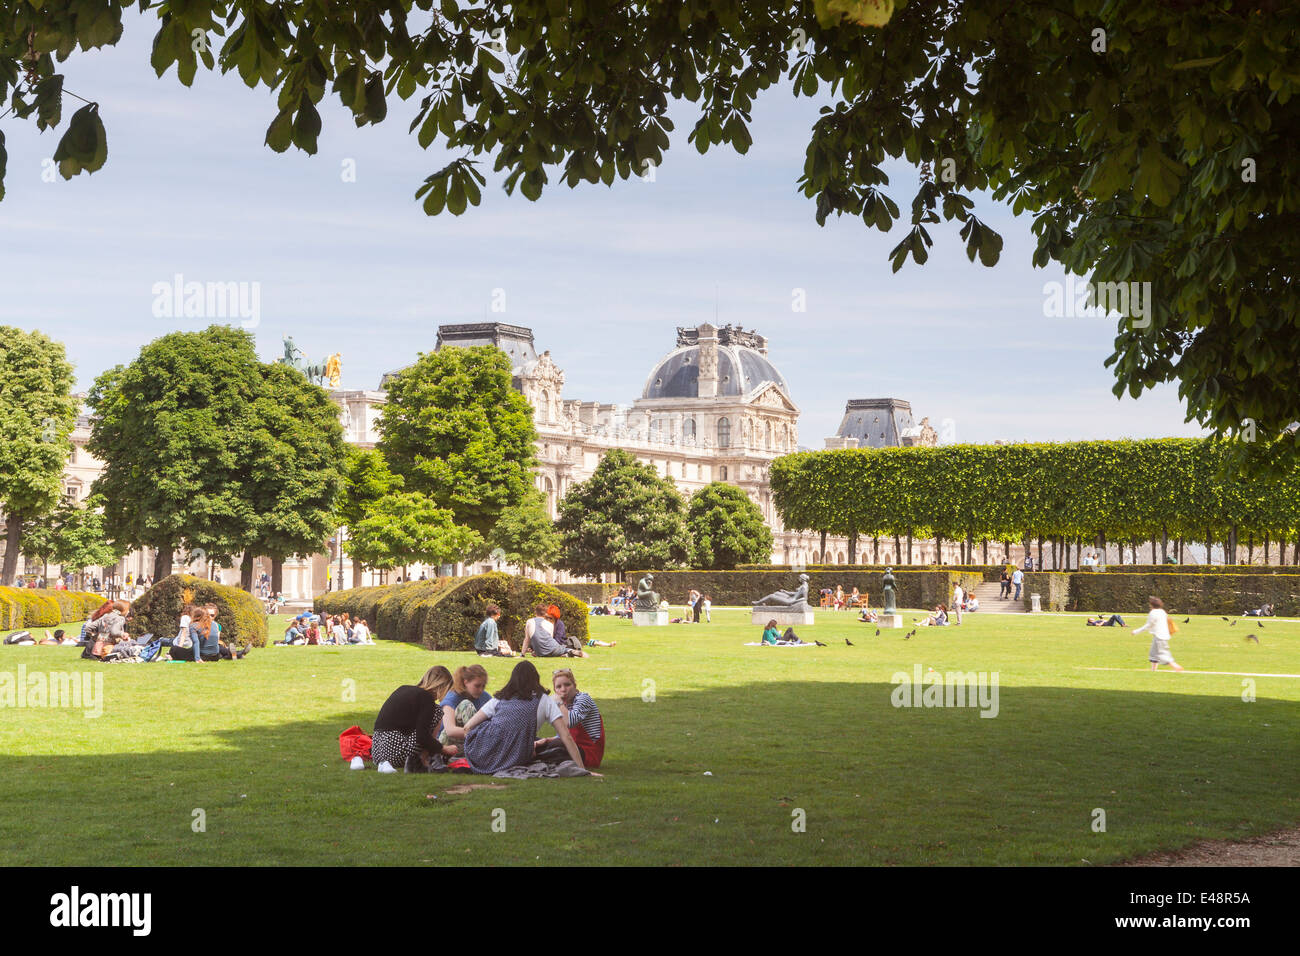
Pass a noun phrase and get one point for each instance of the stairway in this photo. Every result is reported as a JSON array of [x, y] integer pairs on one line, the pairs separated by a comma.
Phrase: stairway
[[990, 603]]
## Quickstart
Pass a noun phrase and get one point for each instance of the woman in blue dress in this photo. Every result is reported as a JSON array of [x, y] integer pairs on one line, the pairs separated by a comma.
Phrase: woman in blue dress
[[504, 732]]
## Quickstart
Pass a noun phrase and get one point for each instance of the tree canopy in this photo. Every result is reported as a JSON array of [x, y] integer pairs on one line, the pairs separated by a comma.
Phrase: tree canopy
[[624, 516], [37, 414], [526, 535], [727, 528], [454, 428], [1151, 143], [405, 528], [1120, 490]]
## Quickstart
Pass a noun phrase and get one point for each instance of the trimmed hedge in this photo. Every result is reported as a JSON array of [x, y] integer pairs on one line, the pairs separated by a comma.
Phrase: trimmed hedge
[[158, 611], [444, 615], [591, 593], [1183, 593], [912, 589], [45, 607], [1052, 587]]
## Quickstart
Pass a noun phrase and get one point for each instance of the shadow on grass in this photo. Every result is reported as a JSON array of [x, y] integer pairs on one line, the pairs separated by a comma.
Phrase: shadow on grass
[[875, 783]]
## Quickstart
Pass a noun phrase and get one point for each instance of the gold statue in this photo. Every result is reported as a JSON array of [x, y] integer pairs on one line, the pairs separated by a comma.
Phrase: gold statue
[[334, 369]]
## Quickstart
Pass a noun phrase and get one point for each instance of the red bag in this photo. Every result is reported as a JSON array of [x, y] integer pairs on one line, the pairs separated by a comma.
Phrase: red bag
[[354, 742]]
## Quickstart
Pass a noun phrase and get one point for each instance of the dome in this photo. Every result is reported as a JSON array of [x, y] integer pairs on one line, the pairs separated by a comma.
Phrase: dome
[[740, 371]]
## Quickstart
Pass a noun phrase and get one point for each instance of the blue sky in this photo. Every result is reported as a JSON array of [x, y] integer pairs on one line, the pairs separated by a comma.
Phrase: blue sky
[[602, 275]]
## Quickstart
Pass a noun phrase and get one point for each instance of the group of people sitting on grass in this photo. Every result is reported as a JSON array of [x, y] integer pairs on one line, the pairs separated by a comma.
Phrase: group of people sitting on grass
[[450, 722], [544, 636], [336, 629], [198, 638]]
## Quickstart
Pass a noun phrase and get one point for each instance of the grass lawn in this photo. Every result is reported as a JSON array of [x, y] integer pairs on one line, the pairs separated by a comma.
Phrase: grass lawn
[[712, 770]]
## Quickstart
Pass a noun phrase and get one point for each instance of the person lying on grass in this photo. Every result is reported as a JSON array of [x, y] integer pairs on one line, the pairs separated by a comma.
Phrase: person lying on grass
[[406, 727], [585, 723], [1100, 621], [1265, 611], [467, 696], [868, 616], [503, 733]]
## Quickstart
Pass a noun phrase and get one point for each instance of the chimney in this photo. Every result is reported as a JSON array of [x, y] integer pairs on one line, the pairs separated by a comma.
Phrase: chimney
[[708, 372]]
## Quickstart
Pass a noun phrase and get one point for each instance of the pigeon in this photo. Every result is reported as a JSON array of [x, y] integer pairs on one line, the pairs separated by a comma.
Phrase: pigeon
[[1187, 620], [848, 642], [909, 634], [1233, 624], [819, 643], [1259, 623], [1225, 618], [877, 632], [1253, 637]]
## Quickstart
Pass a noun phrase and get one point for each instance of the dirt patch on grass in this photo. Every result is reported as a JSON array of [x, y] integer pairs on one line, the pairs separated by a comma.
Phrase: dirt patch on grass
[[1274, 849]]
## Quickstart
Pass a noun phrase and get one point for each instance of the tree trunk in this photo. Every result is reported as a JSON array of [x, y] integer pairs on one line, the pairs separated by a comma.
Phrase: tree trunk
[[162, 562], [246, 572], [909, 549], [984, 547], [1164, 543], [13, 541], [938, 549], [853, 548], [875, 549], [823, 551], [277, 575], [1250, 549], [898, 547], [356, 573], [1266, 555]]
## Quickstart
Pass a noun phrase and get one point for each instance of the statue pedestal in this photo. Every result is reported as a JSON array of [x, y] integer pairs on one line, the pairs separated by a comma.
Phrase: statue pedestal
[[650, 618], [889, 620], [784, 617]]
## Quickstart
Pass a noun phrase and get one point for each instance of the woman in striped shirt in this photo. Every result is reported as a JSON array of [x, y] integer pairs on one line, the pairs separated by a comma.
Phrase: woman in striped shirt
[[585, 723]]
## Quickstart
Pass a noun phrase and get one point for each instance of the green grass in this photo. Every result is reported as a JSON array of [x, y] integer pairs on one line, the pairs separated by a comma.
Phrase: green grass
[[1171, 758]]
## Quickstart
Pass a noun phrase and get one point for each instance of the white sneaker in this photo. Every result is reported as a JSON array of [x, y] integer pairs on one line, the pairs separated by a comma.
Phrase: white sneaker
[[386, 767], [358, 762]]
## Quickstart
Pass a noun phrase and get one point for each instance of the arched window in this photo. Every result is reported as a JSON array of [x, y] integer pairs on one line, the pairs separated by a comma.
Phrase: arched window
[[724, 435], [722, 473], [688, 429]]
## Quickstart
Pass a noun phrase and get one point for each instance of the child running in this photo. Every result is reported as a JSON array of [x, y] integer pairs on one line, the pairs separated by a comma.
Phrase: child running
[[1161, 629]]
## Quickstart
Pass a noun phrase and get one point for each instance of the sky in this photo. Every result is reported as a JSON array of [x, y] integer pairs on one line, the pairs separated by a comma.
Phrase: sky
[[603, 275]]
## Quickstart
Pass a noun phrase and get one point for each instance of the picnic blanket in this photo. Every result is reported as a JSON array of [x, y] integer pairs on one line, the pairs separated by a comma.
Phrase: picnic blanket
[[543, 768]]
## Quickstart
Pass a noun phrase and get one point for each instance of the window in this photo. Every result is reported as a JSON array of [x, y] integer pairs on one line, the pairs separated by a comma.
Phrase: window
[[722, 473], [688, 429], [724, 434]]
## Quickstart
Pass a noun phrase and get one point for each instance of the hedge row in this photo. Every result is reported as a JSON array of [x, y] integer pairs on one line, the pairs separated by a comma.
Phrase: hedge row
[[591, 593], [1052, 587], [912, 589], [443, 615], [158, 611], [1183, 593], [44, 607]]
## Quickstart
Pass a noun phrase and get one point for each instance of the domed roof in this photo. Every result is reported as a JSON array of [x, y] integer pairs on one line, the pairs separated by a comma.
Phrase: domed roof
[[740, 371]]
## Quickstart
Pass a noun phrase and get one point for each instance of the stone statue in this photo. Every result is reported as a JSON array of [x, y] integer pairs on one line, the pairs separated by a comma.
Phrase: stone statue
[[334, 369], [292, 354], [646, 598], [796, 600], [888, 585], [346, 417]]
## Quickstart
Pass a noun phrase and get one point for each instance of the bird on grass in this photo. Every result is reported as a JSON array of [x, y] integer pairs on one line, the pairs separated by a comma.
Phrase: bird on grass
[[909, 634], [1259, 623], [819, 643], [1233, 624], [848, 642], [1187, 620], [877, 632], [1253, 637], [1225, 619]]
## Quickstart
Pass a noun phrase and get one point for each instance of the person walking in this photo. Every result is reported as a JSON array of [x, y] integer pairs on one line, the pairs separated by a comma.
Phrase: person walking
[[1018, 579], [958, 597], [1161, 628]]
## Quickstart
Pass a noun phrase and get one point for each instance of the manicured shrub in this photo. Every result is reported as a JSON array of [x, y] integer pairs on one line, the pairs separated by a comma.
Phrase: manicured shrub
[[158, 611], [1205, 593], [591, 593], [444, 614], [33, 607]]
